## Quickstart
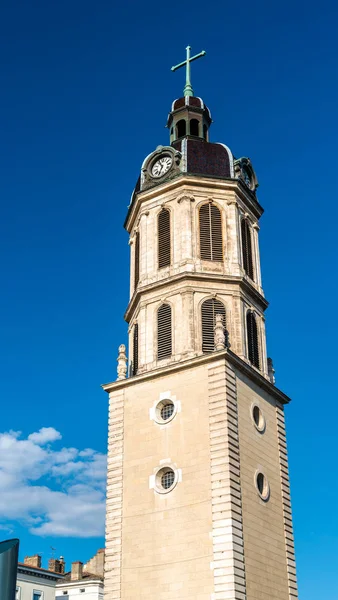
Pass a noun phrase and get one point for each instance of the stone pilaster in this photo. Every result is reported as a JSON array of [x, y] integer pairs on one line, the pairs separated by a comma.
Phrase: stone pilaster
[[112, 580], [257, 262], [227, 527], [286, 499], [185, 229]]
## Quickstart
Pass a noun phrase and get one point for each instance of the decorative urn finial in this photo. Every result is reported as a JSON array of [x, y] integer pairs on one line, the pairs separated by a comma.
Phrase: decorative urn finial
[[122, 363], [219, 332], [271, 371]]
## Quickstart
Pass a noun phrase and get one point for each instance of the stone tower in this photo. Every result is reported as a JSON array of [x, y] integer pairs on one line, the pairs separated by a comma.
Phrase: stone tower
[[198, 503]]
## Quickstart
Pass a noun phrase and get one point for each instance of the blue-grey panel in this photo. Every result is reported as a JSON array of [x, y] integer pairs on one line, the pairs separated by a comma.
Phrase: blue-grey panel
[[9, 551]]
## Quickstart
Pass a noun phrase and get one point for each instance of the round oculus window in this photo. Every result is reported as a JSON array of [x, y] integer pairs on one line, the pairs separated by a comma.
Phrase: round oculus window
[[165, 411], [262, 486], [258, 418], [165, 480]]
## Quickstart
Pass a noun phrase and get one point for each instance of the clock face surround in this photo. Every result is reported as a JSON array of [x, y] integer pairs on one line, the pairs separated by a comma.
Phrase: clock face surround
[[247, 177], [161, 166]]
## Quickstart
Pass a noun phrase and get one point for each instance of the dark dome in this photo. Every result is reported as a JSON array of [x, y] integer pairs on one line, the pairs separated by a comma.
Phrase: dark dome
[[205, 158], [191, 101]]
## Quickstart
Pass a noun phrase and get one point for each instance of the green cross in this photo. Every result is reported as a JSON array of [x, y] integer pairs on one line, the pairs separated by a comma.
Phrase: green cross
[[188, 91]]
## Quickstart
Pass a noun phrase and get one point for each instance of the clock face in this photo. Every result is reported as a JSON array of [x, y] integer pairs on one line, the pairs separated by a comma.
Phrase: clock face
[[161, 166]]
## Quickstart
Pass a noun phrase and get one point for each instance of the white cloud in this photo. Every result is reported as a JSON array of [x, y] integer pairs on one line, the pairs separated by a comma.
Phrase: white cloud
[[53, 492], [45, 435]]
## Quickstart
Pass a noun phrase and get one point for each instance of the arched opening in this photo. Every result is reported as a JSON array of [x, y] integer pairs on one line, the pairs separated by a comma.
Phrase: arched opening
[[209, 309], [181, 128], [164, 335], [252, 337], [247, 248], [194, 127], [211, 240], [163, 238]]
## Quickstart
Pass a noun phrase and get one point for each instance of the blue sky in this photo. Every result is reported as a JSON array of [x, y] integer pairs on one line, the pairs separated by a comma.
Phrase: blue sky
[[85, 91]]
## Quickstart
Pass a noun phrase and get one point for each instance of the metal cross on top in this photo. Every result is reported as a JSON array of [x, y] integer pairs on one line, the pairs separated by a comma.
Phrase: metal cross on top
[[188, 91]]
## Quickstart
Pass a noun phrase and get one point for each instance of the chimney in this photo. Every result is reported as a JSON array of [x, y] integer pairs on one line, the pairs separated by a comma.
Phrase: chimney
[[76, 572], [57, 565], [62, 565], [33, 561]]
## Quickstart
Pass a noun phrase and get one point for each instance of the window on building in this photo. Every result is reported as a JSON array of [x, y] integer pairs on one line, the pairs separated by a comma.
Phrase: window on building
[[164, 335], [135, 350], [247, 248], [181, 128], [137, 259], [194, 127], [211, 242], [163, 233], [209, 309], [37, 595], [252, 337]]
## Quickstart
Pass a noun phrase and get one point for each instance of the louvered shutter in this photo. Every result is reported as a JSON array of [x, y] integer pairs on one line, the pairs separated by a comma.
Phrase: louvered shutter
[[164, 343], [253, 350], [247, 248], [135, 350], [211, 242], [137, 258], [163, 231], [210, 308]]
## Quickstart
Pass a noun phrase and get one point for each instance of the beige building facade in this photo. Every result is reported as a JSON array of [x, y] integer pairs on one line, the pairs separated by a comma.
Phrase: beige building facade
[[198, 501]]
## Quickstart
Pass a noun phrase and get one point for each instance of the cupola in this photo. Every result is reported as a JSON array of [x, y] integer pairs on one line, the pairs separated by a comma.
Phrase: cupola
[[190, 117]]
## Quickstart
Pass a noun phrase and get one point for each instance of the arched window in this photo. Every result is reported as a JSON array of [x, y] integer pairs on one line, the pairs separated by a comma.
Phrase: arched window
[[137, 259], [252, 336], [163, 237], [164, 343], [135, 350], [181, 128], [209, 309], [247, 248], [194, 127], [211, 243]]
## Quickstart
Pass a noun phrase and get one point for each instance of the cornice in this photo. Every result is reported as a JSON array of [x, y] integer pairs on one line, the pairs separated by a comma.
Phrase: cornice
[[39, 573], [246, 285], [226, 354], [197, 180]]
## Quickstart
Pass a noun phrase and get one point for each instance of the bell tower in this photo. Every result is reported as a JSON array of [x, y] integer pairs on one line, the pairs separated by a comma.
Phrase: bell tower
[[198, 502]]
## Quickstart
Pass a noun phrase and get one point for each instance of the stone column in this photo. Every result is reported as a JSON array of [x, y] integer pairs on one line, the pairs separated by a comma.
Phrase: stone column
[[185, 229], [188, 324], [144, 242], [132, 265], [257, 264], [233, 238]]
